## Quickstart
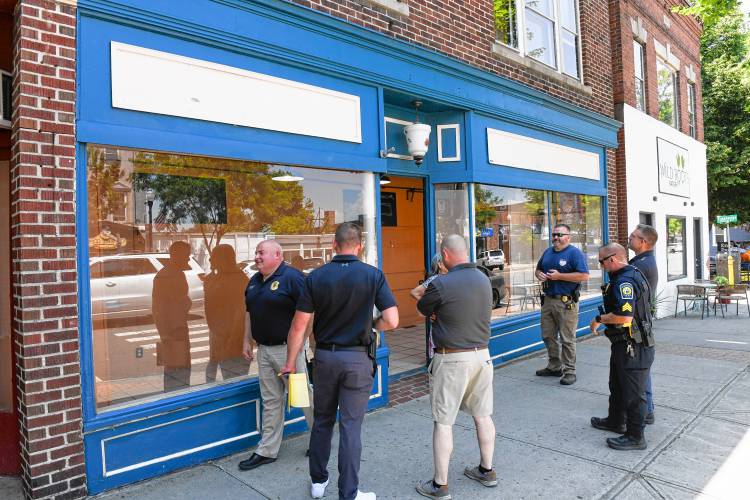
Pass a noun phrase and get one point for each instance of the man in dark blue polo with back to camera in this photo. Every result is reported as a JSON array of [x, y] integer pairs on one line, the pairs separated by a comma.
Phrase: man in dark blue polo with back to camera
[[341, 294], [561, 270]]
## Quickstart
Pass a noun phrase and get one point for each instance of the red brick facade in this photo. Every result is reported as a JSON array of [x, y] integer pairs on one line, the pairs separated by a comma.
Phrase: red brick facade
[[43, 247], [665, 27]]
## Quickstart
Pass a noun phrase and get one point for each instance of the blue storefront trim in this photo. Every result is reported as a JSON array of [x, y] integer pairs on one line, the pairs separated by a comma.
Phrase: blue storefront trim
[[284, 40]]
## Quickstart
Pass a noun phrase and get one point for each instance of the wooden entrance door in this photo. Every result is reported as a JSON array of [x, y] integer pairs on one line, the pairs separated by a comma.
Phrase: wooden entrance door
[[9, 453], [403, 242]]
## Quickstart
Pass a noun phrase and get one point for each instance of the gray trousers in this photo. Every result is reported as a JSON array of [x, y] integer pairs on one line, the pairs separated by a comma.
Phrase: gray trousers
[[273, 390], [343, 380], [559, 327]]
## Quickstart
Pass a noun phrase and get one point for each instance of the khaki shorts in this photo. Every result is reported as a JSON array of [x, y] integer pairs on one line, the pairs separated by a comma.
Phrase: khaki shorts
[[461, 380]]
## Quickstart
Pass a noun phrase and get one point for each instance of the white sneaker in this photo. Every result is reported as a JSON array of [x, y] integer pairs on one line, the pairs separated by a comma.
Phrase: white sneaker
[[317, 490], [361, 495]]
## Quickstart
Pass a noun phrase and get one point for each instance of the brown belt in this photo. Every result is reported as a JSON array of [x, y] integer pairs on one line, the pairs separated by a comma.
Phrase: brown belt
[[451, 350]]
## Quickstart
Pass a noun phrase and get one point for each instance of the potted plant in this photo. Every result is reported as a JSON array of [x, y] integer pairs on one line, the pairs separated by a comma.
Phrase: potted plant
[[721, 282]]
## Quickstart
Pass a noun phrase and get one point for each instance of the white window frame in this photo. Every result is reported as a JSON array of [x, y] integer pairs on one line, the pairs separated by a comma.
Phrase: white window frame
[[640, 82], [557, 29], [675, 91], [691, 105], [5, 123]]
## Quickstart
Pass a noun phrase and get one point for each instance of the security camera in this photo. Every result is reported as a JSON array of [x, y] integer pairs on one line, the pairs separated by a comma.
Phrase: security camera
[[417, 140]]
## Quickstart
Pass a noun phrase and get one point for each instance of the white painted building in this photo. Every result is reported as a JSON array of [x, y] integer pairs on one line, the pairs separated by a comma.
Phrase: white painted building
[[667, 188]]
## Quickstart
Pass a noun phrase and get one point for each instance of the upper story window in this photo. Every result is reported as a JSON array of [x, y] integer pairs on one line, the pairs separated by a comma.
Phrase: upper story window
[[549, 31], [691, 109], [640, 78], [667, 85]]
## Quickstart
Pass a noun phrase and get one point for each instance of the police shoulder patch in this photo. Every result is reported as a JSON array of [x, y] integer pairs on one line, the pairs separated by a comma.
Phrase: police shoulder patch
[[626, 291], [626, 307]]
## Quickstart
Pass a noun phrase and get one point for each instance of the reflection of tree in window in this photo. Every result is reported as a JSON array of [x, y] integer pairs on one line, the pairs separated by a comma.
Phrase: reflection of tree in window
[[237, 196], [104, 176], [505, 21], [665, 89]]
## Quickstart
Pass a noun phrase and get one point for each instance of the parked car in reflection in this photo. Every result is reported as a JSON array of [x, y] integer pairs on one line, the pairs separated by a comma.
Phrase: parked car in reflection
[[121, 285], [248, 267], [499, 291], [491, 259]]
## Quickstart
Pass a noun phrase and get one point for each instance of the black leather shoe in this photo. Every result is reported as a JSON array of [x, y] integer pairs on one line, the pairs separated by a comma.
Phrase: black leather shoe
[[546, 372], [649, 419], [605, 425], [568, 379], [307, 452], [627, 443], [254, 461]]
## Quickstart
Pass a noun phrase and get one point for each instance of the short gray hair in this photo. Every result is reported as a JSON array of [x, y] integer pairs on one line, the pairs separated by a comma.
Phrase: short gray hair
[[454, 244]]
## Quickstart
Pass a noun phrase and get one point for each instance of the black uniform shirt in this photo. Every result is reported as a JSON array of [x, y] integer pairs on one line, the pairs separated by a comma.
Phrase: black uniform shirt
[[342, 294], [620, 295], [646, 263], [271, 303]]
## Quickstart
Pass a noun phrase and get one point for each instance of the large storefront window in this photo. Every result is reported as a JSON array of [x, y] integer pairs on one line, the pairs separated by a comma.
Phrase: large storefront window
[[451, 211], [676, 248], [512, 231], [171, 244]]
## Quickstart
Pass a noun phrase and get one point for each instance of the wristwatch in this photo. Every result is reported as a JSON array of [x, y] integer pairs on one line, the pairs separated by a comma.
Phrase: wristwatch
[[598, 319]]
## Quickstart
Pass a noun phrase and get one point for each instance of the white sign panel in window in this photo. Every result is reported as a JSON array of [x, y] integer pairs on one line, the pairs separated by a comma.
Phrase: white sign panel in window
[[513, 150], [674, 168], [160, 82]]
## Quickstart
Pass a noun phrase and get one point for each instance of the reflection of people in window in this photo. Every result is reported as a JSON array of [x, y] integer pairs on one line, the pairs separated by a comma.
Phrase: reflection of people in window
[[224, 292], [170, 306]]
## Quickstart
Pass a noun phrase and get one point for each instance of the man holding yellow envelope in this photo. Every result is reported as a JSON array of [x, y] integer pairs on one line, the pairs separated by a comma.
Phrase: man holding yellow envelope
[[271, 299]]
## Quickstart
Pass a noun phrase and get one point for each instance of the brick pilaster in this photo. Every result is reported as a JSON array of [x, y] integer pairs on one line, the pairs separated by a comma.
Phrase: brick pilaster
[[43, 249]]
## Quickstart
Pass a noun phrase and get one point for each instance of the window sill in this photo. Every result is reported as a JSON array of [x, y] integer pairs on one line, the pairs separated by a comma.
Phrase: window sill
[[509, 55], [397, 7], [675, 278]]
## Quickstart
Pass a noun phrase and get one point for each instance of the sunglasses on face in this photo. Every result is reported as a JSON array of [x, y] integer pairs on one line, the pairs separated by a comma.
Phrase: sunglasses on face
[[560, 235], [602, 261]]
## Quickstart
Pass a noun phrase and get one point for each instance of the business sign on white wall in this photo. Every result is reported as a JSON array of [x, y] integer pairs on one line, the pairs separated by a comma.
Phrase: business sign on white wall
[[674, 168]]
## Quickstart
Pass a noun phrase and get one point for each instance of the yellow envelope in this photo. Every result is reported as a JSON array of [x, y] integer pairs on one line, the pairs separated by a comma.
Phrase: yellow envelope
[[299, 397]]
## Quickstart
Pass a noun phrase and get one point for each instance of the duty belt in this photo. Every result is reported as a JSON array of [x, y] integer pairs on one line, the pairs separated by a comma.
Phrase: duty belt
[[618, 337], [452, 350], [338, 347], [563, 298]]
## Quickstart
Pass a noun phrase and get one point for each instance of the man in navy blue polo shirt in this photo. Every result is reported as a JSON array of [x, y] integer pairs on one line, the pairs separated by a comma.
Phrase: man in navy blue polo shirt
[[561, 270], [271, 299], [642, 241], [342, 294]]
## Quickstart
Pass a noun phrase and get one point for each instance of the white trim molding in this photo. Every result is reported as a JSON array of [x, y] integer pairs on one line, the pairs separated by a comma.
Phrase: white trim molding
[[665, 52], [396, 7], [440, 129], [202, 90], [690, 73], [639, 30]]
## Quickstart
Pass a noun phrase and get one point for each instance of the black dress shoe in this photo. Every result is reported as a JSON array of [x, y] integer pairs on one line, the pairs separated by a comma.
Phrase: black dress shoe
[[605, 425], [254, 461], [627, 443], [649, 419], [546, 372]]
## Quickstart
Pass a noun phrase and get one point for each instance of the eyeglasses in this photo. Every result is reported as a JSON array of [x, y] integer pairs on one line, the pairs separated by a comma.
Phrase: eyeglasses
[[601, 261], [560, 235]]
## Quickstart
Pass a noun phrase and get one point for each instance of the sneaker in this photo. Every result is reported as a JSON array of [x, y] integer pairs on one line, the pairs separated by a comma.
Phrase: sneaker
[[649, 419], [317, 490], [546, 372], [488, 478], [427, 488], [361, 495], [568, 379], [626, 443], [605, 425]]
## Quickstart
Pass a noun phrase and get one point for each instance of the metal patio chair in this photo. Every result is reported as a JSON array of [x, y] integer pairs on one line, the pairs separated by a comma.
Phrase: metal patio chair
[[693, 294], [728, 294]]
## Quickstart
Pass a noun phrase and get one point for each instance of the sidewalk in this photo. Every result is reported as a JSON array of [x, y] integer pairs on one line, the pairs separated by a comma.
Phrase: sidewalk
[[545, 446]]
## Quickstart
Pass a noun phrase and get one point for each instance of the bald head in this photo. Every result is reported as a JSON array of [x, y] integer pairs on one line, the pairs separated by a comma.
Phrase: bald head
[[612, 257], [453, 249], [268, 257]]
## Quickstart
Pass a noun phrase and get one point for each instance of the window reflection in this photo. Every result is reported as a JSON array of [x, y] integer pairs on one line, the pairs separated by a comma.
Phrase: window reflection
[[512, 231], [676, 248], [171, 243]]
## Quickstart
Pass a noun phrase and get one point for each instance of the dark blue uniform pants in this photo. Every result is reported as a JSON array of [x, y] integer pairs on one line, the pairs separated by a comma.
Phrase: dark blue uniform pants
[[627, 386], [343, 380]]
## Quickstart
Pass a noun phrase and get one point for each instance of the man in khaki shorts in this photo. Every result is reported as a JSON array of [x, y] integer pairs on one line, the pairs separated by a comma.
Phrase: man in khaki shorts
[[460, 303]]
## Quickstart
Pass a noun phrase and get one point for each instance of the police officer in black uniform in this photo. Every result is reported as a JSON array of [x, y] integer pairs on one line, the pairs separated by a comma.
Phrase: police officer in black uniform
[[341, 294], [627, 320]]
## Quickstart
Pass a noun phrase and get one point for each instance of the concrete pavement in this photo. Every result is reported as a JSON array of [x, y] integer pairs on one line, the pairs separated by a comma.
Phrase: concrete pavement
[[699, 446]]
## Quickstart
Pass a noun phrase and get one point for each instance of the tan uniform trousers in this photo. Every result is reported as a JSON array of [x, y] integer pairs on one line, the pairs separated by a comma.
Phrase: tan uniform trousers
[[559, 327], [273, 390]]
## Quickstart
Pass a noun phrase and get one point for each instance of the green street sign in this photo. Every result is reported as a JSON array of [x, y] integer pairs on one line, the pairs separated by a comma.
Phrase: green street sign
[[726, 219]]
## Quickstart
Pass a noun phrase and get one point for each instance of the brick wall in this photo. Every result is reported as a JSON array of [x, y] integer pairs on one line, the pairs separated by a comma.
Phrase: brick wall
[[464, 30], [45, 316], [683, 36]]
